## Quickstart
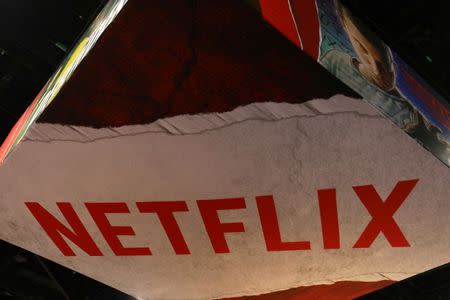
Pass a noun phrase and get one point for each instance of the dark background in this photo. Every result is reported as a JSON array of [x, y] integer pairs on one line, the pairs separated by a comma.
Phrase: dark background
[[35, 36], [417, 30]]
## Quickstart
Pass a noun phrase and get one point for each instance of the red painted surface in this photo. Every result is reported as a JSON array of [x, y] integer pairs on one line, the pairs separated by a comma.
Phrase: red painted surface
[[77, 233], [165, 211], [381, 211], [214, 227], [329, 218], [155, 61], [297, 20], [111, 233], [278, 13], [271, 229], [306, 17]]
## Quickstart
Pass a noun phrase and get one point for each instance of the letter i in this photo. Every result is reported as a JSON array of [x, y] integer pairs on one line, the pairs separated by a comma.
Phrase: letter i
[[329, 218]]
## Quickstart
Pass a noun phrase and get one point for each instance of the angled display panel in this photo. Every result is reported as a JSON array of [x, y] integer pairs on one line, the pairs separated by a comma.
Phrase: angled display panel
[[197, 154], [328, 32], [62, 74]]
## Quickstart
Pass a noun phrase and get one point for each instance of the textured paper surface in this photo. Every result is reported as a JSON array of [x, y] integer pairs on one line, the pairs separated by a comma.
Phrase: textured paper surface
[[288, 151]]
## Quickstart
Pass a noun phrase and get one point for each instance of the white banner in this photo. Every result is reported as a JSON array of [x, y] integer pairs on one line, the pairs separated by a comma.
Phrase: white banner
[[264, 198]]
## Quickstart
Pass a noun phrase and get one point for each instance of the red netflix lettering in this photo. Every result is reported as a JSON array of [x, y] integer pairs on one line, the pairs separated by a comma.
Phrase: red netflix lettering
[[98, 212], [215, 229], [329, 218], [271, 230], [54, 229], [165, 210], [382, 213]]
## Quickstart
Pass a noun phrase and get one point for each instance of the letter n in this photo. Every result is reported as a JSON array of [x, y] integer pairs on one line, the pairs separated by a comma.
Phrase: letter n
[[56, 230]]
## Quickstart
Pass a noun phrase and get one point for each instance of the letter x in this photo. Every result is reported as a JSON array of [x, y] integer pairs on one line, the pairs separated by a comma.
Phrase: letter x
[[382, 213]]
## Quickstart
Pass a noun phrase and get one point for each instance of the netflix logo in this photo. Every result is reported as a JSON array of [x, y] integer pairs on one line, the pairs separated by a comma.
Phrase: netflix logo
[[381, 211]]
